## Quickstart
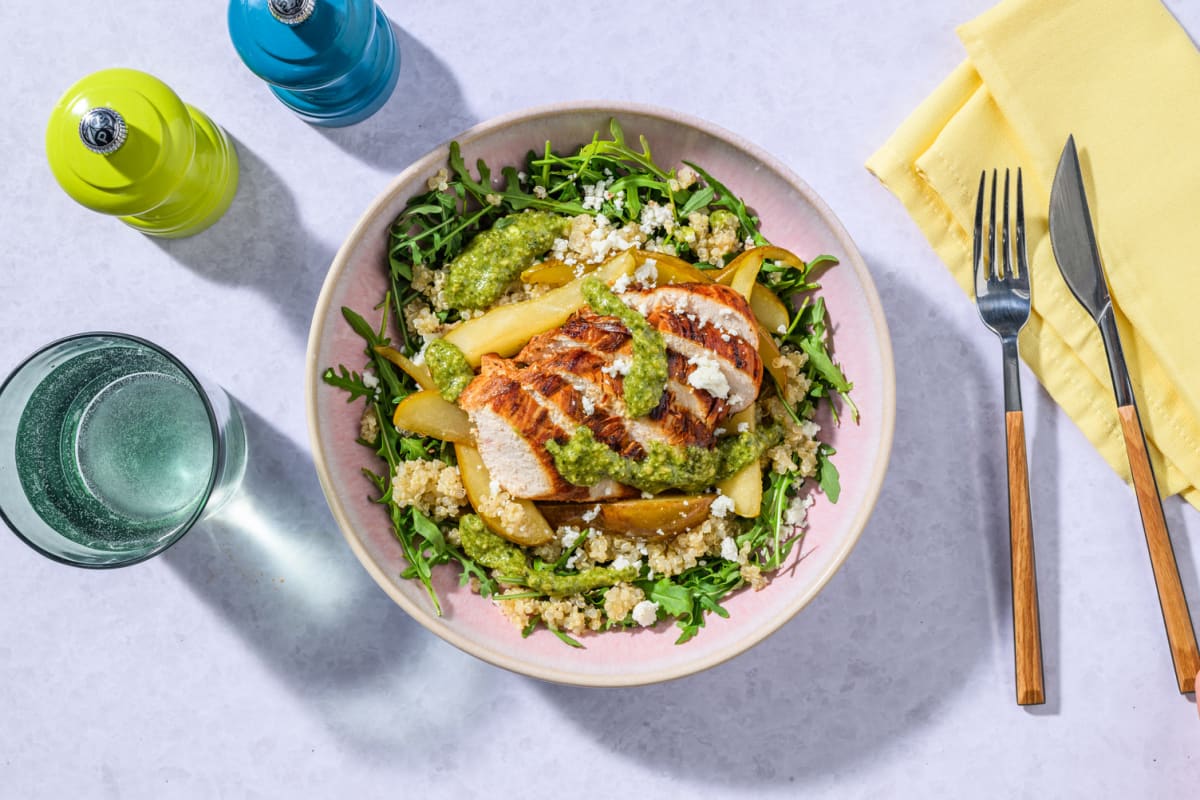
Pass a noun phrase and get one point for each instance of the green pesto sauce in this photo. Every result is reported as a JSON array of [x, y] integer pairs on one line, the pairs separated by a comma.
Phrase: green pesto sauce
[[495, 257], [449, 368], [489, 549], [647, 376], [548, 583], [496, 552], [583, 461]]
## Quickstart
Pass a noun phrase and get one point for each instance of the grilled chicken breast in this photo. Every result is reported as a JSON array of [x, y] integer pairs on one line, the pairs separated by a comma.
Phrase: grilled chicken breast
[[568, 377]]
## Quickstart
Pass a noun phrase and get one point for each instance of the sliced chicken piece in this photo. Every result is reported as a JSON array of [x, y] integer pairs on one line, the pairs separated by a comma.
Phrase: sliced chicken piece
[[571, 408], [512, 429], [707, 321], [597, 334], [713, 303], [605, 338], [701, 342], [575, 381], [708, 409]]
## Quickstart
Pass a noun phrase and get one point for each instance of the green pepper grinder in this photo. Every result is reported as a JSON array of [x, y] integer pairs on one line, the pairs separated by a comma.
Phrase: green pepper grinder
[[121, 142]]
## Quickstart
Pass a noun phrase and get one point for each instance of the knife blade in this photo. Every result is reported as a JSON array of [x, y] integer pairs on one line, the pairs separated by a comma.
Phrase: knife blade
[[1075, 249]]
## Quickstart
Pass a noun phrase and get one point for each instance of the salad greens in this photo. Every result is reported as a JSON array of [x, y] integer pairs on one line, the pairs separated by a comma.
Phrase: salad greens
[[437, 225]]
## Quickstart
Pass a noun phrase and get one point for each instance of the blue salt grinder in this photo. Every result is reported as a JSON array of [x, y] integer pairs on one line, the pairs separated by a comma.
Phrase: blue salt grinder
[[333, 62]]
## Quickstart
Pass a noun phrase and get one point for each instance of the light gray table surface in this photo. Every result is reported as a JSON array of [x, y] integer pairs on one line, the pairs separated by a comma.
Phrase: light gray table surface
[[267, 663]]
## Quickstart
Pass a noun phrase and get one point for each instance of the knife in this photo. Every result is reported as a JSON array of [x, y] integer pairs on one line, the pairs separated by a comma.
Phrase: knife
[[1074, 244]]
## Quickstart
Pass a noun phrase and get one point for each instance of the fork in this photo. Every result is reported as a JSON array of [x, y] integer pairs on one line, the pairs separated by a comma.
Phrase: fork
[[1002, 295]]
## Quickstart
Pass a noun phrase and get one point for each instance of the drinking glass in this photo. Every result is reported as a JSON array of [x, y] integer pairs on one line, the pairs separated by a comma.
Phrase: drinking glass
[[111, 449]]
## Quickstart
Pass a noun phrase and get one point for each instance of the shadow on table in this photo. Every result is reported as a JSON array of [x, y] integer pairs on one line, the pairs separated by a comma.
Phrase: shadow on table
[[893, 636], [426, 108], [274, 564], [259, 245]]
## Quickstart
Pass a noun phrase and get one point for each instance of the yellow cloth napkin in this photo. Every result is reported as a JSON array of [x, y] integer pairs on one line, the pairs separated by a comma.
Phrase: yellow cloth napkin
[[1124, 78]]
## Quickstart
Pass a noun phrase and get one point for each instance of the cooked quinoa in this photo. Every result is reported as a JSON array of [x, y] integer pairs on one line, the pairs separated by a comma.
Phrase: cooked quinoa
[[431, 486]]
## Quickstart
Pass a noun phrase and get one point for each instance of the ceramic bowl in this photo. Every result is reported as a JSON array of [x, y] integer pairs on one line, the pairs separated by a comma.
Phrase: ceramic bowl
[[794, 217]]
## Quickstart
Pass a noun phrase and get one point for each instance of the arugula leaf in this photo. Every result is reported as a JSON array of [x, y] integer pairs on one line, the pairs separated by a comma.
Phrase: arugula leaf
[[828, 474], [348, 380], [428, 529], [697, 201], [511, 193], [821, 361], [672, 599]]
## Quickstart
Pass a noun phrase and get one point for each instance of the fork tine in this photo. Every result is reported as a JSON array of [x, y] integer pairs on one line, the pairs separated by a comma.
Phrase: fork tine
[[1021, 255], [993, 268], [977, 250], [1005, 244]]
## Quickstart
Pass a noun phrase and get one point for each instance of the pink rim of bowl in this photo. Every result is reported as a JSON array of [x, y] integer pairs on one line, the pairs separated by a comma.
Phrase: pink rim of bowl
[[793, 217]]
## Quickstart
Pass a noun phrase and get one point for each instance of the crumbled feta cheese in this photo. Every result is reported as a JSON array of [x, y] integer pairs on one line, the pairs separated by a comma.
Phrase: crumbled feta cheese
[[593, 196], [589, 407], [619, 366], [645, 613], [494, 486], [781, 329], [647, 496], [743, 427], [797, 510], [604, 238], [621, 562], [707, 376], [588, 516], [539, 192], [647, 273], [655, 216], [729, 549], [721, 506], [570, 536], [370, 379], [621, 284]]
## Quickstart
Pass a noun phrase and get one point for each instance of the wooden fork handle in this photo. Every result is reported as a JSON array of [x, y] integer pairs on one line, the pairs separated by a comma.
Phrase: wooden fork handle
[[1027, 635], [1180, 634]]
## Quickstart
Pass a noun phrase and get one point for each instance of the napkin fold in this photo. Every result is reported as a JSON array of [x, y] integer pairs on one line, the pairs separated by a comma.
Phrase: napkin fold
[[1124, 78]]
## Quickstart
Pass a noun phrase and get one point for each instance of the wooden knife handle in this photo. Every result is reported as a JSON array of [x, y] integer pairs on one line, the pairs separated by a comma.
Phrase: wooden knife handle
[[1027, 636], [1162, 557]]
